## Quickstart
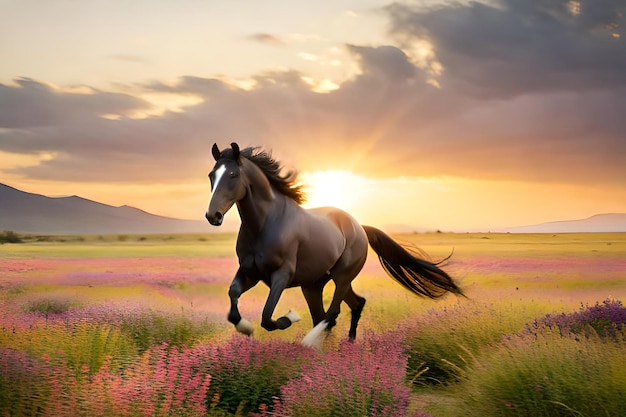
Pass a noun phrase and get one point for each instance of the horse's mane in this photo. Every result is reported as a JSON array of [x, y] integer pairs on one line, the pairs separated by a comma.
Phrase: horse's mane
[[285, 183]]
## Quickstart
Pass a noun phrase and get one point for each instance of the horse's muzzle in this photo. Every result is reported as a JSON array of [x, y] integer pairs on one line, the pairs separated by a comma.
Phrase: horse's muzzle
[[215, 219]]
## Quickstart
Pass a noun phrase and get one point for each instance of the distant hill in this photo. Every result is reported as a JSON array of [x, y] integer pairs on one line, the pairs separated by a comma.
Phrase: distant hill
[[609, 222], [24, 212]]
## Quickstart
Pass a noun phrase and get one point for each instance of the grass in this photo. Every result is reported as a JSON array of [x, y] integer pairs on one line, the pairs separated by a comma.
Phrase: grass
[[547, 375], [556, 365], [89, 246], [96, 317], [443, 343], [82, 345]]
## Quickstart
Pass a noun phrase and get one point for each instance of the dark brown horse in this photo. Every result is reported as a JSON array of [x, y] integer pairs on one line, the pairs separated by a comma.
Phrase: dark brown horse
[[284, 245]]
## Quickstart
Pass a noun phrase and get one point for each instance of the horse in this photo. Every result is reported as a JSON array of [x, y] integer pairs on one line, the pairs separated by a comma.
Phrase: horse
[[284, 245]]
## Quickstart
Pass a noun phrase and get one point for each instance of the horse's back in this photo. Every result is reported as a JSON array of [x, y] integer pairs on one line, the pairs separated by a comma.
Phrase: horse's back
[[354, 239], [320, 239], [347, 225]]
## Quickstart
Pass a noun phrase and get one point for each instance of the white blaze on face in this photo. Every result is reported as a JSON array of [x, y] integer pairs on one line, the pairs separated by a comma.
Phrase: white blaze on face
[[219, 173]]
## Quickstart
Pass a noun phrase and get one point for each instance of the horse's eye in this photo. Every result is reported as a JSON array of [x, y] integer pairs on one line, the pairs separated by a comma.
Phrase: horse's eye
[[233, 174]]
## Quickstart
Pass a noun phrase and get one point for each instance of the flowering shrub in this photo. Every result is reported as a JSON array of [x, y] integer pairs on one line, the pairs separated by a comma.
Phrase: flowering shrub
[[247, 373], [144, 326], [163, 382], [21, 390], [358, 379], [607, 320]]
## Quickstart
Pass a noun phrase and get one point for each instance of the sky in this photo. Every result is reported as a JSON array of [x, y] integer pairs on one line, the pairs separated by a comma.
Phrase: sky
[[422, 115]]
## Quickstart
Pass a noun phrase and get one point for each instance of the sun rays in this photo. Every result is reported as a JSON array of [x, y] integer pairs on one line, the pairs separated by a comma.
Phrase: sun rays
[[335, 188]]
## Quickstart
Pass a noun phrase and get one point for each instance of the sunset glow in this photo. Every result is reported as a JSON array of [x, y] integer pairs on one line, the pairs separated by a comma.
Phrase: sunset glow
[[409, 115], [333, 188]]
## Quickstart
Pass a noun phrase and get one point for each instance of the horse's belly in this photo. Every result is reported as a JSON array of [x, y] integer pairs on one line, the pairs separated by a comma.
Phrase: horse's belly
[[314, 268], [313, 260]]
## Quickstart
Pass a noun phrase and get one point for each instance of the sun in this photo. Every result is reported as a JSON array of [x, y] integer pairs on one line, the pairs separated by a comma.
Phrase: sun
[[335, 188]]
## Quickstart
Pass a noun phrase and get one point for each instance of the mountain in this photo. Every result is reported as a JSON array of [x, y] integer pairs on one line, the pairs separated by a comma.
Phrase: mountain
[[608, 222], [24, 212]]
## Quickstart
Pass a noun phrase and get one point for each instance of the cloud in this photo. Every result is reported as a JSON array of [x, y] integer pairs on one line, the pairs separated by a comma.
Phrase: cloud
[[563, 137], [307, 56], [387, 62], [529, 91], [284, 40], [514, 47], [135, 59], [204, 87], [267, 38], [34, 104]]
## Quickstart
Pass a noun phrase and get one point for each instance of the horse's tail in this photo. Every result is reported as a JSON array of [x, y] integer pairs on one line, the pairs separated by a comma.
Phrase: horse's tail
[[420, 276]]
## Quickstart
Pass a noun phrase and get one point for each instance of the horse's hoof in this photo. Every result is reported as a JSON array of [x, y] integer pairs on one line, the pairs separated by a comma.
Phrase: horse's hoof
[[293, 316], [244, 327], [315, 337]]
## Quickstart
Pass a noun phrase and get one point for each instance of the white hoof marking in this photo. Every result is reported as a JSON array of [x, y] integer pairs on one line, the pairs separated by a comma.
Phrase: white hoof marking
[[244, 327], [293, 316], [314, 338]]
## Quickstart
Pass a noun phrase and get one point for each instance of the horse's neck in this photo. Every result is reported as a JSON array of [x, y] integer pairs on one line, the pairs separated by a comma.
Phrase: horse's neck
[[260, 198]]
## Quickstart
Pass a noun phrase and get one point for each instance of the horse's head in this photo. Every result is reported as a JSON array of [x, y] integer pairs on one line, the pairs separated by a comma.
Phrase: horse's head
[[226, 185]]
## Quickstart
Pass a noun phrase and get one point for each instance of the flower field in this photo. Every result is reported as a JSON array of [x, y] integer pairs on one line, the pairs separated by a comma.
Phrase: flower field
[[135, 326]]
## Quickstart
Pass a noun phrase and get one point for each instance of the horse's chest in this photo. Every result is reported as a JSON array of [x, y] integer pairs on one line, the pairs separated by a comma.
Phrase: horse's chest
[[267, 261], [261, 260]]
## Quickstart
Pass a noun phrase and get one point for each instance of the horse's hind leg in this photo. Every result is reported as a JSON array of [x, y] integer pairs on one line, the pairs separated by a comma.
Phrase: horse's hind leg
[[343, 287], [356, 304], [313, 296], [345, 270]]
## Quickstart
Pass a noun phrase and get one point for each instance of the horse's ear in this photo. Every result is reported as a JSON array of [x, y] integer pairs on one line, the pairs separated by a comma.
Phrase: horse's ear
[[216, 151], [235, 148]]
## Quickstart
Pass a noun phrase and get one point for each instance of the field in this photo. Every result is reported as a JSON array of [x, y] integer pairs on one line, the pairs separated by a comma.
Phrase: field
[[128, 325]]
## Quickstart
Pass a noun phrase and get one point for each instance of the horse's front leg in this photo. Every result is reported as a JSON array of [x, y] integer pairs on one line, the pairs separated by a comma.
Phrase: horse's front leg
[[241, 283], [278, 281]]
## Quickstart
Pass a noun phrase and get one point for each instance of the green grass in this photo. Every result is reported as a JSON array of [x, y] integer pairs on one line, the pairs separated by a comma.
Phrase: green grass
[[437, 244], [83, 345], [57, 298], [546, 375], [89, 246], [156, 327], [536, 245]]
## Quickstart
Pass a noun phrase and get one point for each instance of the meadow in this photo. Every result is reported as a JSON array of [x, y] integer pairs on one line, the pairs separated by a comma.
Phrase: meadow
[[129, 325]]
